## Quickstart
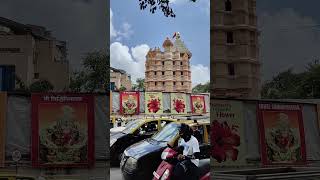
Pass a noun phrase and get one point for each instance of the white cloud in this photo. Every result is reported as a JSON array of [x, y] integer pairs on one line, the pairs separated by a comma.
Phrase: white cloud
[[132, 61], [124, 32], [199, 74], [113, 32], [288, 39]]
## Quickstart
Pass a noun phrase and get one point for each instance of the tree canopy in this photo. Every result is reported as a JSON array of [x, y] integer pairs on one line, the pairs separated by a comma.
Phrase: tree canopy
[[202, 88], [154, 5], [139, 85], [291, 85], [95, 74]]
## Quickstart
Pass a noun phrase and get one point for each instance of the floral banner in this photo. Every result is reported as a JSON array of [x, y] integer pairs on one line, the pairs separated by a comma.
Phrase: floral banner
[[129, 103], [198, 105], [281, 134], [178, 103], [3, 111], [227, 133], [153, 103], [63, 130]]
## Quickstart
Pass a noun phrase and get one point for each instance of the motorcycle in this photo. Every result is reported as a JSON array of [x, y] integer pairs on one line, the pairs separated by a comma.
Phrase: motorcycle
[[169, 161]]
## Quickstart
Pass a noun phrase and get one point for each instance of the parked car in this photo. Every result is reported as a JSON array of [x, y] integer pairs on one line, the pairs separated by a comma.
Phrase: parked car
[[141, 159], [135, 131]]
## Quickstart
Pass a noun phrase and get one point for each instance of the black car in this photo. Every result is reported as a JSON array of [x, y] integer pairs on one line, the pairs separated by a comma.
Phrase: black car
[[134, 132], [141, 159]]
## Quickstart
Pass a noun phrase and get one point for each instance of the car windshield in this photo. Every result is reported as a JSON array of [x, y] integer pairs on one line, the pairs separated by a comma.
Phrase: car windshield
[[131, 126], [167, 133]]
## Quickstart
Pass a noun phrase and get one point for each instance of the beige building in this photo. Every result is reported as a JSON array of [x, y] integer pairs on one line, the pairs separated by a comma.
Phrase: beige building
[[169, 70], [119, 78], [33, 54], [234, 49]]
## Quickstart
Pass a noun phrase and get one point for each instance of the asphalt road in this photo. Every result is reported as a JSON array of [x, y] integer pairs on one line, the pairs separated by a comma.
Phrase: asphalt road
[[115, 173]]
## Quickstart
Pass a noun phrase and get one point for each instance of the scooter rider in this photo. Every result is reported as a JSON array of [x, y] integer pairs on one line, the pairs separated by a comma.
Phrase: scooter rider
[[187, 168]]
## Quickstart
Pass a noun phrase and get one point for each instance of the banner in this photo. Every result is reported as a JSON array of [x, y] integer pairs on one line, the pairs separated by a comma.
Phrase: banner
[[227, 133], [62, 130], [178, 103], [153, 103], [3, 111], [198, 105], [281, 130], [129, 103]]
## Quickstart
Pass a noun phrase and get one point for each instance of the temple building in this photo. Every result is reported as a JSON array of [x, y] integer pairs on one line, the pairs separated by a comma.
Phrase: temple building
[[235, 66], [169, 70]]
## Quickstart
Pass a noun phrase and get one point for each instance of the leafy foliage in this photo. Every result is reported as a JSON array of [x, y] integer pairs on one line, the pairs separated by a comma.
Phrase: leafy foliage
[[139, 85], [163, 5], [122, 88], [290, 85], [41, 86], [95, 75], [205, 88]]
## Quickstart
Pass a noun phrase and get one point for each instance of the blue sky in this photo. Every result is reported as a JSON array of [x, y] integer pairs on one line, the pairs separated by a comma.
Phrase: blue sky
[[133, 31]]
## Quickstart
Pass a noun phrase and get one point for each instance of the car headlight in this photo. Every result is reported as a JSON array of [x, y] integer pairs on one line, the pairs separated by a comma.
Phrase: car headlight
[[165, 175], [112, 141], [131, 164]]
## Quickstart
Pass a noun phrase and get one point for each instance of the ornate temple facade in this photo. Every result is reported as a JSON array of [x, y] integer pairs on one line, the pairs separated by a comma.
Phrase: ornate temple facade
[[169, 70], [235, 67]]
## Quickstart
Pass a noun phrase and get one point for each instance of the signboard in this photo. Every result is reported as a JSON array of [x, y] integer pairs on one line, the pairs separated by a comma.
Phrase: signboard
[[3, 111], [227, 133], [178, 103], [153, 103], [129, 103], [62, 130], [198, 105], [281, 130]]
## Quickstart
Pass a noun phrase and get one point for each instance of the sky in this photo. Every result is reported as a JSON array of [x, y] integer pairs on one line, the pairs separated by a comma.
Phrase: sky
[[133, 32], [81, 23], [289, 35]]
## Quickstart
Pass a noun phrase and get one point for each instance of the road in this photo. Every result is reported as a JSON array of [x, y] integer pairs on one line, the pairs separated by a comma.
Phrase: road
[[115, 173]]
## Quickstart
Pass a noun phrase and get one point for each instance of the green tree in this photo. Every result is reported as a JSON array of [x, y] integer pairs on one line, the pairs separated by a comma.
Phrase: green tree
[[202, 88], [94, 77], [122, 88], [154, 5], [139, 85], [41, 86], [290, 85]]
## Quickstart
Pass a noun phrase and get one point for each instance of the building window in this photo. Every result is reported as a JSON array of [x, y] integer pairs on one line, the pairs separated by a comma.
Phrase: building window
[[155, 73], [231, 70], [181, 73], [162, 63], [112, 86], [181, 63], [182, 83], [228, 5], [229, 37], [162, 73], [36, 75], [163, 83], [155, 83], [173, 62], [174, 73], [174, 83]]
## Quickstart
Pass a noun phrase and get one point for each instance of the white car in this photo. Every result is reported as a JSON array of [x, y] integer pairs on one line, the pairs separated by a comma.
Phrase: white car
[[117, 129]]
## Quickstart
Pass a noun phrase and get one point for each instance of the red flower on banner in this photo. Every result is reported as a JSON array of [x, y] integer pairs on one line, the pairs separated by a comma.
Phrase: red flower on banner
[[179, 105], [224, 141], [154, 105]]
